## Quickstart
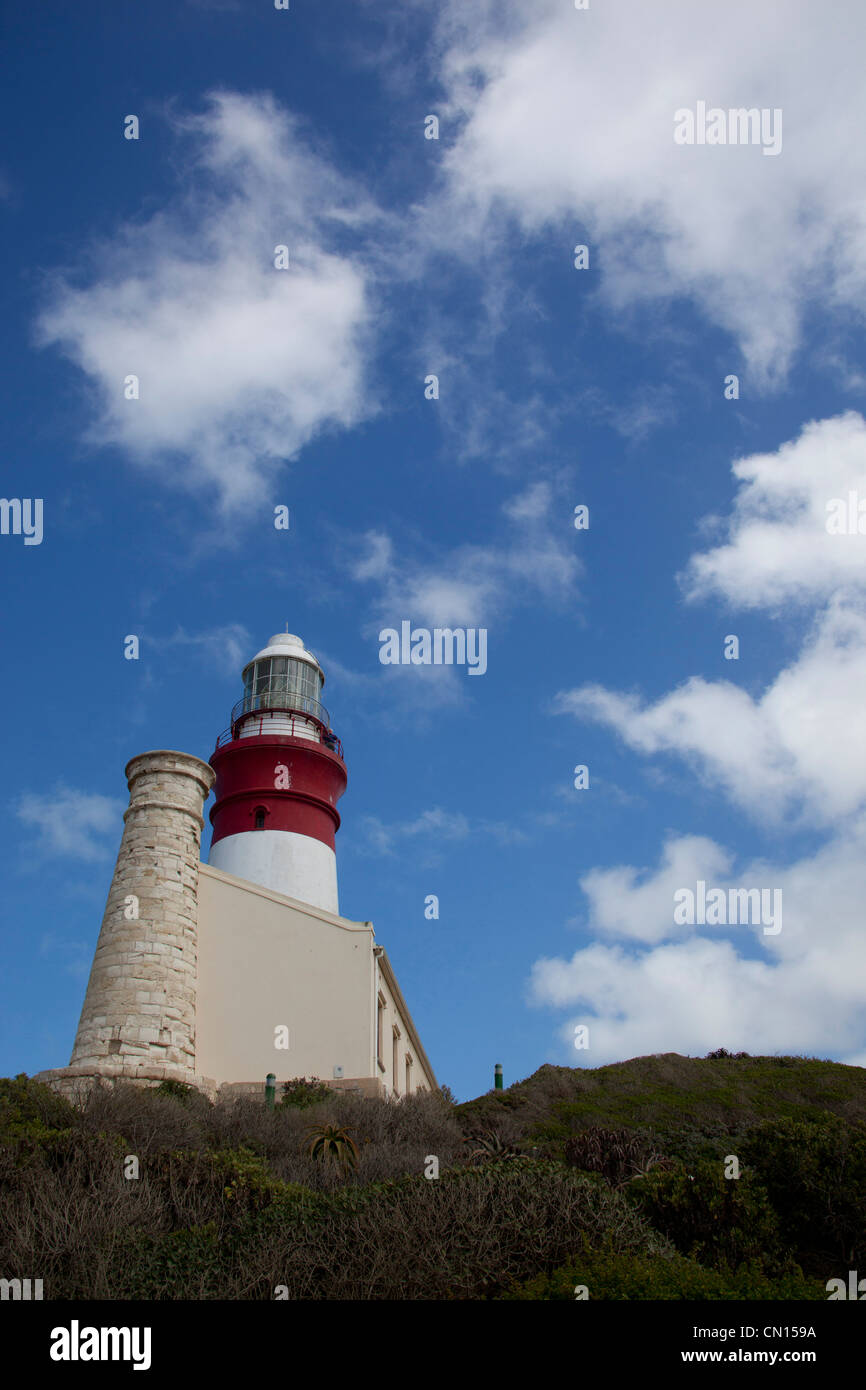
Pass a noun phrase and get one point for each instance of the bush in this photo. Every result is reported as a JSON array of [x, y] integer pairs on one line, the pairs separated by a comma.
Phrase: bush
[[149, 1119], [29, 1108], [722, 1222], [618, 1154], [303, 1093], [470, 1234], [611, 1276], [815, 1175]]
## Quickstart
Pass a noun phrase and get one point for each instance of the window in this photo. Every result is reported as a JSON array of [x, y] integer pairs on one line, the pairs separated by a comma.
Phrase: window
[[395, 1059], [260, 818], [279, 682], [408, 1074], [379, 1027]]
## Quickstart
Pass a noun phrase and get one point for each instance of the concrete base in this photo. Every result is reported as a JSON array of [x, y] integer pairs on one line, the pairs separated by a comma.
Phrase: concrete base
[[75, 1083], [366, 1086]]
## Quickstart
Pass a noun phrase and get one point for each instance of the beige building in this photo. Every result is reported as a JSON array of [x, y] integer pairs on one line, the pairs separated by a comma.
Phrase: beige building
[[220, 974], [304, 977]]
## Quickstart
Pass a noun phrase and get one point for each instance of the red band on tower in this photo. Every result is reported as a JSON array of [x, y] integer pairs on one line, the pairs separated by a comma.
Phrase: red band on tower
[[295, 782]]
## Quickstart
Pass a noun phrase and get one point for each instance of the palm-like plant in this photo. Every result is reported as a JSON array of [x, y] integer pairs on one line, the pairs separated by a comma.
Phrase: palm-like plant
[[489, 1144], [619, 1154], [332, 1144]]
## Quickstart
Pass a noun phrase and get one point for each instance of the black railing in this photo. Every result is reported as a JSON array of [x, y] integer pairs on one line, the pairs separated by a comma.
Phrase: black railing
[[289, 700]]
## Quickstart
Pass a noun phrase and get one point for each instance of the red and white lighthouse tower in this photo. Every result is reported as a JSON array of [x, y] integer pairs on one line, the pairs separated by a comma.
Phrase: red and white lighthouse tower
[[279, 775]]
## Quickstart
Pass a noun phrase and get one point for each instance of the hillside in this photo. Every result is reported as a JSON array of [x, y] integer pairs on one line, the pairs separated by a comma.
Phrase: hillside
[[617, 1179], [671, 1093]]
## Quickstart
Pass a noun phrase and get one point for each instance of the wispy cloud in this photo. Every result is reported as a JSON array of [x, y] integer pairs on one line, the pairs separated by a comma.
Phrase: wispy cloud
[[72, 824], [224, 649], [435, 826], [473, 584]]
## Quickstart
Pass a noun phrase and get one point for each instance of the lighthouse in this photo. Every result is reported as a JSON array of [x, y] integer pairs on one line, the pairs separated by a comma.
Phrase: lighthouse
[[279, 775], [222, 974]]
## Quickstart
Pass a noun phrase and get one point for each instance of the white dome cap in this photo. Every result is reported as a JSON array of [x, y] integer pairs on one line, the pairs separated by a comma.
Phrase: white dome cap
[[287, 644]]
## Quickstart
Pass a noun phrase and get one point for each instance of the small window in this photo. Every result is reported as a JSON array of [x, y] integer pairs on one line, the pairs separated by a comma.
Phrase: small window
[[260, 818], [379, 1021]]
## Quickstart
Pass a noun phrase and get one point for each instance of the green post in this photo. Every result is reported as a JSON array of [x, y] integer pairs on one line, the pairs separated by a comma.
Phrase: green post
[[270, 1090], [497, 1073]]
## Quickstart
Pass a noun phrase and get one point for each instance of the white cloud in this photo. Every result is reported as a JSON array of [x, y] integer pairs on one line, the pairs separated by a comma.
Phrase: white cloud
[[802, 994], [779, 547], [565, 118], [73, 824], [797, 751], [436, 826], [239, 364], [624, 902], [473, 584], [225, 649]]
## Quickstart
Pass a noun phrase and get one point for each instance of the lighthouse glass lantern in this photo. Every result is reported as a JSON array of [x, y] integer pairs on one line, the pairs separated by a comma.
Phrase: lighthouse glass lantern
[[279, 774]]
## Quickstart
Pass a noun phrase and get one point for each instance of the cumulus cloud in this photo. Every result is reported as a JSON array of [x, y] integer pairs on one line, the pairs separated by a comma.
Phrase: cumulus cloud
[[73, 824], [565, 119], [802, 993], [625, 902], [239, 364], [799, 749], [779, 547], [795, 752]]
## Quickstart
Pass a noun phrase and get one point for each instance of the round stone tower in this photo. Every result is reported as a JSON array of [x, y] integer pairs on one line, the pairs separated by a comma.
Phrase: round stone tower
[[138, 1019], [279, 774]]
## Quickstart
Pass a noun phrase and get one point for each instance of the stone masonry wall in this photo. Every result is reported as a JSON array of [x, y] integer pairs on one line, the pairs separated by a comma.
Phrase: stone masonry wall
[[138, 1018]]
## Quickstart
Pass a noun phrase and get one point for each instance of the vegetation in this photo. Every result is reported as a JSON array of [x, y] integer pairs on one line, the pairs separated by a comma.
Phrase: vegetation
[[333, 1143], [304, 1093], [613, 1181]]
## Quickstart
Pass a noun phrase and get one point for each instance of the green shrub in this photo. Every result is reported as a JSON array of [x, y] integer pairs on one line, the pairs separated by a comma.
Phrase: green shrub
[[176, 1090], [608, 1275], [30, 1108], [618, 1154], [467, 1235], [717, 1220], [302, 1093], [815, 1175]]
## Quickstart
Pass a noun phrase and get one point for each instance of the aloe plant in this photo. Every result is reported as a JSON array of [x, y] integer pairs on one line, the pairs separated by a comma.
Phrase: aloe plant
[[618, 1154], [332, 1144], [489, 1144]]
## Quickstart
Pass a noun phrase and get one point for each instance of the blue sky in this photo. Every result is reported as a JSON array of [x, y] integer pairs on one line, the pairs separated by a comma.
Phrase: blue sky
[[602, 386]]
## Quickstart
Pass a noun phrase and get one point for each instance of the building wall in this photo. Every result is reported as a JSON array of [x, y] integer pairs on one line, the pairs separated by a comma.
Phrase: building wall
[[390, 1058], [266, 960]]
